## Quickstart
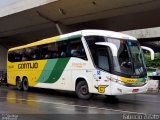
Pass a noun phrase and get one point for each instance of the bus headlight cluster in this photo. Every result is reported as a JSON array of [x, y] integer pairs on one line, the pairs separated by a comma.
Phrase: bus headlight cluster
[[118, 81], [114, 80]]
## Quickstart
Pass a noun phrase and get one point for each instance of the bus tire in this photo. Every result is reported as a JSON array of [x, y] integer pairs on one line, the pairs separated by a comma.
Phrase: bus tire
[[25, 84], [82, 90], [18, 83]]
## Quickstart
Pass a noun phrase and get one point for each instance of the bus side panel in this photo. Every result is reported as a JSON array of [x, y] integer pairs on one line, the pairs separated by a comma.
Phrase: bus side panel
[[81, 69], [31, 69], [53, 73], [63, 83], [59, 77]]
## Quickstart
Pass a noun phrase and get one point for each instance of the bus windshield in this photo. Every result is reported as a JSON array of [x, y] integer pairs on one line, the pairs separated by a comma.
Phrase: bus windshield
[[129, 60]]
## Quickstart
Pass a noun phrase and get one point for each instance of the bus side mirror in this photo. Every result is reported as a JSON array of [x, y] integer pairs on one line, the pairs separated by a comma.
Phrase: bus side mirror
[[150, 50], [110, 45]]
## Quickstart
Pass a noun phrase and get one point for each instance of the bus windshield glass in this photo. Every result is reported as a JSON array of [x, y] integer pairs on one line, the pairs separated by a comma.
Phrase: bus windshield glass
[[129, 60]]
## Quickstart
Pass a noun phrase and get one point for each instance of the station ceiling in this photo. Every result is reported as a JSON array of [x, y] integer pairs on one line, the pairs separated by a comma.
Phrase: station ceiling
[[38, 23]]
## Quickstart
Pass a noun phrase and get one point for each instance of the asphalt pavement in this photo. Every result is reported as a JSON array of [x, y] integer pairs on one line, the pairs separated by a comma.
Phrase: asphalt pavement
[[54, 104]]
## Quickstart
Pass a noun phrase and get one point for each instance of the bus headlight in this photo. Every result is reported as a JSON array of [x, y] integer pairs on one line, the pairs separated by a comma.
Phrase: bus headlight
[[122, 83], [118, 81], [114, 80]]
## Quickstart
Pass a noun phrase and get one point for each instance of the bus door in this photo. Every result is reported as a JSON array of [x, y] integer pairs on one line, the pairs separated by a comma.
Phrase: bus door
[[102, 75]]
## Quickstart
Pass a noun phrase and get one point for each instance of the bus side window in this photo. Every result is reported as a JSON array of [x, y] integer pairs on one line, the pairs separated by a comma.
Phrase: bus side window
[[103, 58], [62, 48], [17, 56], [48, 55], [10, 56], [24, 58], [63, 54], [14, 56], [77, 49], [53, 48]]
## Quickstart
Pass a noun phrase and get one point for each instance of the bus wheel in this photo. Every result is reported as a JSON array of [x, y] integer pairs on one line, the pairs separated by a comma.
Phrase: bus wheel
[[82, 90], [19, 83], [25, 84]]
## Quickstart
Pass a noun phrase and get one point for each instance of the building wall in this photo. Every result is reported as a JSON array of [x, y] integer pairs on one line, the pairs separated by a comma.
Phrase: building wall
[[3, 58]]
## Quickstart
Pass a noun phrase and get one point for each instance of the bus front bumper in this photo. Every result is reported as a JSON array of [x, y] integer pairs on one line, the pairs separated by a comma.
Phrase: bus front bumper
[[119, 89]]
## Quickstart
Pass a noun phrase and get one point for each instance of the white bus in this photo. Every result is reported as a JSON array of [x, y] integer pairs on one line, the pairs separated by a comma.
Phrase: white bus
[[87, 62]]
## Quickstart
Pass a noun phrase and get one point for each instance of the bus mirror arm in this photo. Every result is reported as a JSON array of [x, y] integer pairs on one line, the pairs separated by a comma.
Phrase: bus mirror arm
[[150, 50], [110, 45]]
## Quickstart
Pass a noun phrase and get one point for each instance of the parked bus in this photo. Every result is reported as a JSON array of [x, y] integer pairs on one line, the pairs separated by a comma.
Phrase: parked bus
[[87, 62]]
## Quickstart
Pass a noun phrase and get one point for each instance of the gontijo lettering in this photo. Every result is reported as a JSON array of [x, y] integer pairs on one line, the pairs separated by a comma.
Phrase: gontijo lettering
[[28, 66]]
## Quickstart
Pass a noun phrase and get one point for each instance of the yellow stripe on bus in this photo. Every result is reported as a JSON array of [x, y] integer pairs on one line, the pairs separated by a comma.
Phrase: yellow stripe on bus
[[41, 42], [129, 80]]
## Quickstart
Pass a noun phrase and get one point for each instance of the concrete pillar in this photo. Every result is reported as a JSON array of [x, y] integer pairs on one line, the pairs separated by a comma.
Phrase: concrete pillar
[[63, 29]]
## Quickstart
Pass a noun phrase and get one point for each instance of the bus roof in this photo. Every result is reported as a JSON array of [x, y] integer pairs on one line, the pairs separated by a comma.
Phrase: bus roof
[[76, 35]]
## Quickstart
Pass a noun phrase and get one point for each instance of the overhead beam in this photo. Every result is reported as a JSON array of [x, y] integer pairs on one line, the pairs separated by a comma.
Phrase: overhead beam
[[21, 5], [144, 33]]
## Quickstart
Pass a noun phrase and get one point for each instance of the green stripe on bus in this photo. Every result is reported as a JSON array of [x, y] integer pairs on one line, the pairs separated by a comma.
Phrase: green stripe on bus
[[58, 70], [70, 37], [47, 70], [53, 70]]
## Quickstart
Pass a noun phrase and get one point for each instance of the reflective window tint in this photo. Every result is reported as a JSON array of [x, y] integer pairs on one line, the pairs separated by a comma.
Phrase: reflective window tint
[[103, 58], [77, 49], [49, 51], [100, 54]]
